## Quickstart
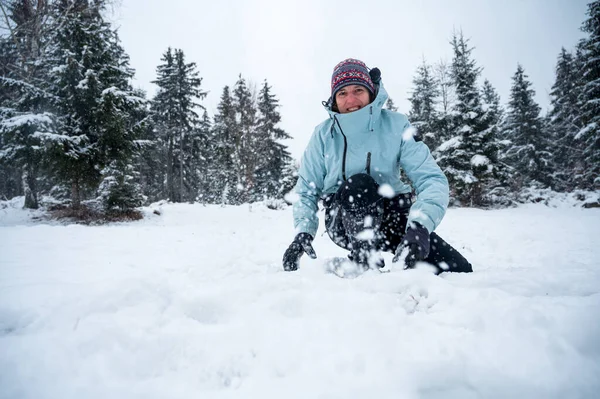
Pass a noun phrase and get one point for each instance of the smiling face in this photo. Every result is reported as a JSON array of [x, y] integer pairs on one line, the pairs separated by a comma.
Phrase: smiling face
[[352, 98]]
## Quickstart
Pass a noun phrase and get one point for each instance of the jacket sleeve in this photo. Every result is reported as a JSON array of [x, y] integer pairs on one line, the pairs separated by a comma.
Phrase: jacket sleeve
[[309, 187], [428, 180]]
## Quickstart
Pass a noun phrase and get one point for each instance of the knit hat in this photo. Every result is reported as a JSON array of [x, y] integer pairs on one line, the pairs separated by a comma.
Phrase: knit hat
[[350, 72]]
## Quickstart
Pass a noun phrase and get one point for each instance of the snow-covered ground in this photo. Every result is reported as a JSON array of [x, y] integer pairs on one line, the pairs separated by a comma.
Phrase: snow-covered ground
[[194, 304]]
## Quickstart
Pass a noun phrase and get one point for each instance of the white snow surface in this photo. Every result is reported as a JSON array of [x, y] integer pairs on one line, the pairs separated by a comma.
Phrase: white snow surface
[[194, 304]]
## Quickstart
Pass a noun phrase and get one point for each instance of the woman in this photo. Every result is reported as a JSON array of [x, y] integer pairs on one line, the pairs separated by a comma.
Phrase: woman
[[353, 163]]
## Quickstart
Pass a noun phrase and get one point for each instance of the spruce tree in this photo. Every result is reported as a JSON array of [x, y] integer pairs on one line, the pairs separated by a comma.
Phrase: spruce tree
[[496, 190], [562, 123], [150, 162], [491, 103], [94, 105], [390, 105], [588, 138], [468, 157], [528, 152], [203, 156], [25, 124], [177, 123], [120, 124], [271, 153], [445, 101], [423, 115], [224, 168], [245, 143]]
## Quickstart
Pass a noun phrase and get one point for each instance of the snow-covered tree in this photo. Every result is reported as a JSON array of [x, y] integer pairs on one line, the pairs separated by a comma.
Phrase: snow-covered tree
[[469, 156], [528, 152], [390, 105], [93, 103], [423, 115], [562, 123], [588, 137], [272, 155], [203, 156], [245, 142], [22, 136], [177, 123], [119, 124], [224, 165], [25, 123], [150, 162], [496, 188], [491, 103], [120, 188], [445, 101]]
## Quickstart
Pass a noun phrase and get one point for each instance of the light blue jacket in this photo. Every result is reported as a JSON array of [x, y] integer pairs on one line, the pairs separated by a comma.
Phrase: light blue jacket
[[382, 134]]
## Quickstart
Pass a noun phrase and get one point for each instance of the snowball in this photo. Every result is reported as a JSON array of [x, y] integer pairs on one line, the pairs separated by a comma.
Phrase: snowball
[[409, 133], [292, 197], [386, 191], [366, 235]]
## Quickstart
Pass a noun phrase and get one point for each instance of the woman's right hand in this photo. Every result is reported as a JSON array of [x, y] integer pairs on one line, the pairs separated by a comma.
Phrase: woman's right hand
[[301, 244]]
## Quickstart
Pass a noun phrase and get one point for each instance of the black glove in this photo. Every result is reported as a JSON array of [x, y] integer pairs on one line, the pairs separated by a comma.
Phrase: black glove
[[416, 240], [300, 245]]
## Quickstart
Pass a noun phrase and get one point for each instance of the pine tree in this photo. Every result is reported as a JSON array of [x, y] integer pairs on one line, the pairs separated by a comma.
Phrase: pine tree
[[177, 123], [528, 152], [423, 115], [119, 124], [150, 161], [496, 190], [562, 123], [94, 105], [469, 156], [24, 123], [290, 177], [272, 155], [224, 166], [491, 103], [203, 156], [246, 143], [390, 105], [588, 137], [445, 101]]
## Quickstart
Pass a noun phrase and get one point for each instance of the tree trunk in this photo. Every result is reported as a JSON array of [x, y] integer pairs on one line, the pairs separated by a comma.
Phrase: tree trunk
[[181, 196], [75, 194], [170, 188], [29, 189]]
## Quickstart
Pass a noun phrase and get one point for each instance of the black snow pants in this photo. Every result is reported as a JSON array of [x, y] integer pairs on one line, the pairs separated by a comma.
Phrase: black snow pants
[[358, 209]]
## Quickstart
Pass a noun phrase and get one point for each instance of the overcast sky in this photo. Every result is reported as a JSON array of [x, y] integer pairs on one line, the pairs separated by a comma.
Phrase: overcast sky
[[295, 44]]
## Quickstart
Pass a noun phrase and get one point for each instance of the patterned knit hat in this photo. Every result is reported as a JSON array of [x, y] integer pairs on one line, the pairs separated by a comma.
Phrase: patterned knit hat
[[350, 72]]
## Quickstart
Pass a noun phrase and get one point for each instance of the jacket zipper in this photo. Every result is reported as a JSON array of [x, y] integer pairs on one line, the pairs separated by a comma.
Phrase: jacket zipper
[[368, 167], [345, 149]]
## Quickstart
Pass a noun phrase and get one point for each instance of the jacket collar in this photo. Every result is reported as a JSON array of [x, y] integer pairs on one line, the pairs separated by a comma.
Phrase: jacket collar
[[362, 121]]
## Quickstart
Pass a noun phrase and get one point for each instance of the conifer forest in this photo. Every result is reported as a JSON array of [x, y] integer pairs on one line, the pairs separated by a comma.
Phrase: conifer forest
[[74, 129]]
